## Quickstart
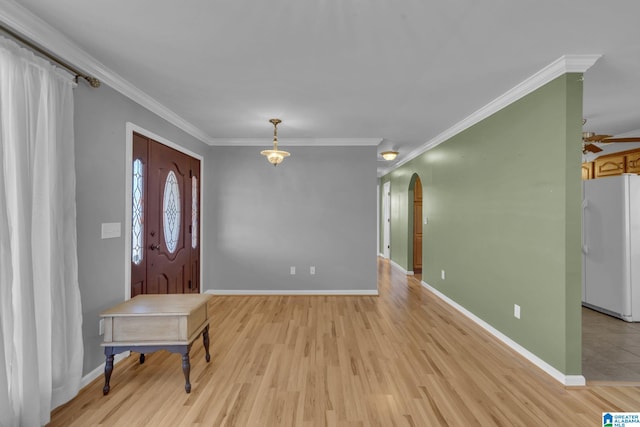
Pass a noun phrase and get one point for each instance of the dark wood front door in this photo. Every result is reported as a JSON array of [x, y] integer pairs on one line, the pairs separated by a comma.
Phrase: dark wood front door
[[168, 259], [417, 227]]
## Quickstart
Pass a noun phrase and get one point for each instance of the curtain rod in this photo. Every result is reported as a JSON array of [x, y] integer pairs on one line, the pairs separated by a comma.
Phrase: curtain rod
[[93, 82]]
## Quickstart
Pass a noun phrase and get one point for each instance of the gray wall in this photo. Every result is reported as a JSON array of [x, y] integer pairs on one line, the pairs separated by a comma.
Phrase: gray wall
[[322, 201], [318, 208], [100, 120]]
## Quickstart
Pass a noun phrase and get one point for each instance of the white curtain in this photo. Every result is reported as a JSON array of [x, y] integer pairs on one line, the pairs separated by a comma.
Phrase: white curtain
[[41, 350]]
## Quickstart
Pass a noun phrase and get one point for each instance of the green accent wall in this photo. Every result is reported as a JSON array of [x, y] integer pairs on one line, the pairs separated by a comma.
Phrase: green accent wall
[[502, 200]]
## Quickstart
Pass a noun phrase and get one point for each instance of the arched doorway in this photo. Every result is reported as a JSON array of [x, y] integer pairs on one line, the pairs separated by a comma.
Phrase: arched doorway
[[416, 188]]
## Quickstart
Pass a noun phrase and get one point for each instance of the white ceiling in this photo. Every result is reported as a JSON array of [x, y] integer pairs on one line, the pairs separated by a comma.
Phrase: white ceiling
[[397, 73]]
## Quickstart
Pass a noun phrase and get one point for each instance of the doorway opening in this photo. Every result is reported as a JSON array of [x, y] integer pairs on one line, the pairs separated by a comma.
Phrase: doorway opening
[[386, 220]]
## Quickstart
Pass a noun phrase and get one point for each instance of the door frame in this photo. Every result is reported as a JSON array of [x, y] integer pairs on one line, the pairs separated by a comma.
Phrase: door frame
[[130, 129], [386, 226]]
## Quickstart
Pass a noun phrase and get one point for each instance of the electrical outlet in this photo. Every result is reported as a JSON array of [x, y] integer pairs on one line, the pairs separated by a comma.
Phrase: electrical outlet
[[101, 327], [516, 311], [292, 270], [312, 270], [442, 274]]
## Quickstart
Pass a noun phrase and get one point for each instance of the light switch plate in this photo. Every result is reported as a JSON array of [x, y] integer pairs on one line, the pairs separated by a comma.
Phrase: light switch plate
[[110, 230]]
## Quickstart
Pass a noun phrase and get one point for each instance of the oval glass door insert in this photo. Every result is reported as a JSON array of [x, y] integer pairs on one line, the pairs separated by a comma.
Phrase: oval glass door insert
[[171, 212]]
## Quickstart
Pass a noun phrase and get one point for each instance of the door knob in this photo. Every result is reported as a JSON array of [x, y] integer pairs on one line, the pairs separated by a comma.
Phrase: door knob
[[154, 247]]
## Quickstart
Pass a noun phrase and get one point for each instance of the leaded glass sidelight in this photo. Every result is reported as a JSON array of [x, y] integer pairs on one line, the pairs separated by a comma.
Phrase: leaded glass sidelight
[[194, 212], [137, 214], [171, 212]]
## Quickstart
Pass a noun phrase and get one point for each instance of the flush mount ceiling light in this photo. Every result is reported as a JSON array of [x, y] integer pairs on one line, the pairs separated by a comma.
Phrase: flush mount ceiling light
[[389, 155], [275, 156]]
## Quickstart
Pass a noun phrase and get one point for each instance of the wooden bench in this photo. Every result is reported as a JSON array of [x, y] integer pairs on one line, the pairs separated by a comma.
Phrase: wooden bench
[[147, 323]]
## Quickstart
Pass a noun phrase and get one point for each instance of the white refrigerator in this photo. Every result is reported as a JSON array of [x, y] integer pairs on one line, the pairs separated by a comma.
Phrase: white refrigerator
[[611, 246]]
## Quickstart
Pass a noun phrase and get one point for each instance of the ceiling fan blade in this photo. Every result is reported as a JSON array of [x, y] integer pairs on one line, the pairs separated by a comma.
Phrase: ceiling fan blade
[[597, 138], [592, 148], [631, 139]]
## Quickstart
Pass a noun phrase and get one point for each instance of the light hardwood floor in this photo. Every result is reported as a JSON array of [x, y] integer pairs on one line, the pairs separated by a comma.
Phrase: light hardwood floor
[[403, 358]]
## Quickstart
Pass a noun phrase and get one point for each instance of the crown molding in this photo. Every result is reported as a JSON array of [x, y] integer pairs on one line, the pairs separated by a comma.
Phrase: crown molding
[[28, 25], [563, 65], [293, 142]]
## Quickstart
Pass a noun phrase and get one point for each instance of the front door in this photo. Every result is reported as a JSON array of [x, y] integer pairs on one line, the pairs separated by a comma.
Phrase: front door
[[165, 238]]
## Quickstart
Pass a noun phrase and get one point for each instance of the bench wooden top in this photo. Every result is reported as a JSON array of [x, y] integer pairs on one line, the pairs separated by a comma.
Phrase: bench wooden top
[[158, 305]]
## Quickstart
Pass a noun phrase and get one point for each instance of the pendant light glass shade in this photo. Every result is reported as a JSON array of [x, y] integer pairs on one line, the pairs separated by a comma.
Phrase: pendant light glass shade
[[389, 155], [275, 156]]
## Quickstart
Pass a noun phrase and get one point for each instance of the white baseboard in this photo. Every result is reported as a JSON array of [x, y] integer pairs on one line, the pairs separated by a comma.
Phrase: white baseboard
[[86, 380], [567, 380], [397, 266], [260, 292]]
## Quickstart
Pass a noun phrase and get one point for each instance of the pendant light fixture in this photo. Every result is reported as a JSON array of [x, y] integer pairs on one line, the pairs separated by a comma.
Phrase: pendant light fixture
[[275, 156]]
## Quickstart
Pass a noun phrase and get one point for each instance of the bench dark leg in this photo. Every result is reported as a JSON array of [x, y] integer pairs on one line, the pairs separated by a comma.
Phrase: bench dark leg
[[186, 368], [108, 369], [205, 341]]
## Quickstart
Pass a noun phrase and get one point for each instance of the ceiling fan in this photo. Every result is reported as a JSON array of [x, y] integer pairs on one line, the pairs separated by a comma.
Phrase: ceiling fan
[[590, 138]]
